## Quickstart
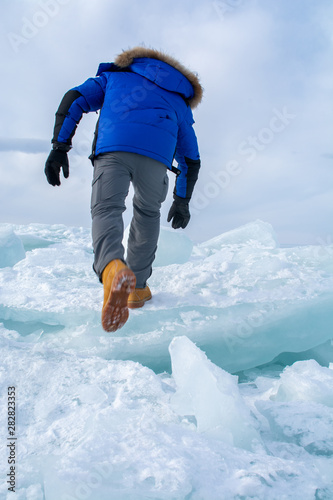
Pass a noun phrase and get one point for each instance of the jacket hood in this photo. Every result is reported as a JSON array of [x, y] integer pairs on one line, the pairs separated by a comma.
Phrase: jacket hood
[[180, 80]]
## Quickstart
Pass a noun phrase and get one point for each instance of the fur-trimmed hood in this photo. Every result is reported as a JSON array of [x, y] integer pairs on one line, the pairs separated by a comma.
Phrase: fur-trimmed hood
[[194, 95]]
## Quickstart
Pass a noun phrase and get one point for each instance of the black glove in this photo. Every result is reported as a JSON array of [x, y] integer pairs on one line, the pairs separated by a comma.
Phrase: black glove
[[57, 159], [179, 213]]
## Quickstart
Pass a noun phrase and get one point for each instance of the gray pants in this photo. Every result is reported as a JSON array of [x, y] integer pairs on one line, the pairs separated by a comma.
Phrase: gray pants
[[113, 173]]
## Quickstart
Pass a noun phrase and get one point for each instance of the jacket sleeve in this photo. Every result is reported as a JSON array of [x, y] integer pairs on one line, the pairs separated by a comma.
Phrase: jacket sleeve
[[187, 157], [82, 99]]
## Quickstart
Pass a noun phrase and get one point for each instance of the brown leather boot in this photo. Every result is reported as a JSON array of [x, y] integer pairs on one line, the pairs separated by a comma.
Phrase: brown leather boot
[[119, 281], [138, 297]]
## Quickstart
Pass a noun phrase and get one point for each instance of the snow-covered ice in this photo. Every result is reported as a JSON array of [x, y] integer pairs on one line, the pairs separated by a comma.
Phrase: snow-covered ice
[[221, 387]]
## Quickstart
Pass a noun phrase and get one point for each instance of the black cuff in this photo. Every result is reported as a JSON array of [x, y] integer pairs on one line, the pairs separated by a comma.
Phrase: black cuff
[[193, 167], [179, 200], [61, 146]]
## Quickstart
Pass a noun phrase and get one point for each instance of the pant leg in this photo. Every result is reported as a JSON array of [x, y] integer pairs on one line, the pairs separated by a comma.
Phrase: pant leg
[[109, 190], [150, 183]]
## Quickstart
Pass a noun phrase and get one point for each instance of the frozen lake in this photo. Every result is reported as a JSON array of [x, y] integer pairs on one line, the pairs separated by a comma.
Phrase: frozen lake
[[221, 387]]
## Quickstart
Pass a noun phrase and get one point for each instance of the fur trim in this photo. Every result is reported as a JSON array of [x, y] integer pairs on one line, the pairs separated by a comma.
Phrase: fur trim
[[126, 58]]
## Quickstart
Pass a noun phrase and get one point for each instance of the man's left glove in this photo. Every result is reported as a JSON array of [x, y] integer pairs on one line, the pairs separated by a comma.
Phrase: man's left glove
[[179, 212], [57, 159]]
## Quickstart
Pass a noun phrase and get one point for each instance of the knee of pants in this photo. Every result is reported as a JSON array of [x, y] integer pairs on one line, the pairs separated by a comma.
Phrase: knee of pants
[[108, 207], [145, 209]]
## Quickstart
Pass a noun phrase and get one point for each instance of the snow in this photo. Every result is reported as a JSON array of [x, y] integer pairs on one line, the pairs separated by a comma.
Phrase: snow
[[220, 387]]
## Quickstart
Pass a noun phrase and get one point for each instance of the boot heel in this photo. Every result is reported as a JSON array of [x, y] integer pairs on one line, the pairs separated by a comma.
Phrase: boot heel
[[115, 311]]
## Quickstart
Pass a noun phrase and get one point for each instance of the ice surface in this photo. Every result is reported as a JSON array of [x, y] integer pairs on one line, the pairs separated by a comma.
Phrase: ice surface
[[96, 428], [306, 381], [99, 418], [243, 303], [11, 248], [302, 412]]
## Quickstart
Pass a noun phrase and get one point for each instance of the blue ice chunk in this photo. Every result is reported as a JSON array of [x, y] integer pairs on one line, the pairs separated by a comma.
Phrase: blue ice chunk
[[211, 395], [11, 247], [173, 247], [256, 234]]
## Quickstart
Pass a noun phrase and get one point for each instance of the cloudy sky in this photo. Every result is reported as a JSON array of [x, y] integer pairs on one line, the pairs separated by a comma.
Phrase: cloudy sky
[[264, 126]]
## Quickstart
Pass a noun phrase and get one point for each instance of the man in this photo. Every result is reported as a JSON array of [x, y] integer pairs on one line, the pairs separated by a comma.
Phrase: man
[[145, 99]]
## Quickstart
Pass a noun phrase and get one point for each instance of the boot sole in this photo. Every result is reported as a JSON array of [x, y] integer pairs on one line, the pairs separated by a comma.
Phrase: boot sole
[[115, 312]]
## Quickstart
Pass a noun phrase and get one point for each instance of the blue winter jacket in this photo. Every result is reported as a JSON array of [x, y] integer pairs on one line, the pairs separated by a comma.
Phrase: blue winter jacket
[[145, 101]]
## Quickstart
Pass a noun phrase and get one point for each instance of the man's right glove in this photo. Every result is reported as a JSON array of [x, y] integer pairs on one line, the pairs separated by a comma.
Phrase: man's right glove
[[179, 212], [56, 160]]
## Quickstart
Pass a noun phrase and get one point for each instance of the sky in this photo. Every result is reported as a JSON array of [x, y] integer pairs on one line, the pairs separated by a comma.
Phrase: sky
[[264, 126]]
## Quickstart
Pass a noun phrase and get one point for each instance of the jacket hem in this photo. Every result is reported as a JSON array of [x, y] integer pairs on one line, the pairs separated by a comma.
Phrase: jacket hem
[[129, 149]]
